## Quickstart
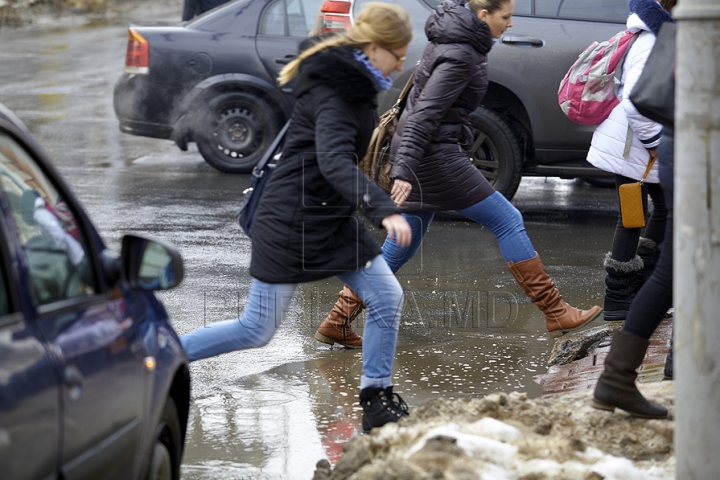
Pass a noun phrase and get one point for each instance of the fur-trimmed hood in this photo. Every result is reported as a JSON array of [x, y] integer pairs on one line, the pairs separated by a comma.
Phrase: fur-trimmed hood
[[452, 22], [647, 15], [338, 69]]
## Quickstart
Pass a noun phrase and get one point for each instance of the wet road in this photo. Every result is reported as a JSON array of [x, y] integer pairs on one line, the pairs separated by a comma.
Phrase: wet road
[[467, 329]]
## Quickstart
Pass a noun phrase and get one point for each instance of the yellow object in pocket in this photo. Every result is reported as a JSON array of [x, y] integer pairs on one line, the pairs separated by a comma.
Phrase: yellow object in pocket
[[631, 205]]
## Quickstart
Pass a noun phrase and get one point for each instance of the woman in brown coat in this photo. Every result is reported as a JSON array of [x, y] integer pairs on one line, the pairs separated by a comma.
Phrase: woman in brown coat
[[432, 173]]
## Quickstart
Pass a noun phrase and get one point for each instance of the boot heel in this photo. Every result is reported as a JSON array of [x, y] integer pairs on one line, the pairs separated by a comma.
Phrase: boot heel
[[322, 338], [602, 406]]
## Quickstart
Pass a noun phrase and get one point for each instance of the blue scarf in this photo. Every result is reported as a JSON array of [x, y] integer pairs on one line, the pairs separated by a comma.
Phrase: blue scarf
[[651, 13], [384, 82]]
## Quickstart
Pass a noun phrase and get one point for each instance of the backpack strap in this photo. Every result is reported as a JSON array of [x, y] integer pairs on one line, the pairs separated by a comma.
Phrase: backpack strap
[[621, 62]]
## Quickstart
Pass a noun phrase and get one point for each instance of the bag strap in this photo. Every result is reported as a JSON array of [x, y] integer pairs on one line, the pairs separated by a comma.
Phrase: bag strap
[[270, 152], [406, 89], [647, 170]]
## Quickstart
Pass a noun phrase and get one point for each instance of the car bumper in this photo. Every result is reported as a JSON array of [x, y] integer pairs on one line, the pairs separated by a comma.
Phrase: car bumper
[[144, 108]]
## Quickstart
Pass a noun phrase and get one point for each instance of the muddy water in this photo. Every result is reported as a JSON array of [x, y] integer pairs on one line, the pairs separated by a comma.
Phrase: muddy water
[[467, 330]]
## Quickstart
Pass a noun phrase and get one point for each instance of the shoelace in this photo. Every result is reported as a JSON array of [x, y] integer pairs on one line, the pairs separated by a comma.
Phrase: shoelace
[[399, 403]]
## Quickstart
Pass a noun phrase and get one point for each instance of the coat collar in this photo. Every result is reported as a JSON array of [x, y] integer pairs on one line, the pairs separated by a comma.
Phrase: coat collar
[[338, 69]]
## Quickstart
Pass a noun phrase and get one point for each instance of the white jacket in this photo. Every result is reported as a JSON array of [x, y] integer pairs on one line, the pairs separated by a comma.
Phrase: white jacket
[[608, 141]]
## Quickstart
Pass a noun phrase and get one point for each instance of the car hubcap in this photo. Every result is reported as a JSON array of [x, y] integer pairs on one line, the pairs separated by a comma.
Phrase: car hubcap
[[484, 156], [237, 133]]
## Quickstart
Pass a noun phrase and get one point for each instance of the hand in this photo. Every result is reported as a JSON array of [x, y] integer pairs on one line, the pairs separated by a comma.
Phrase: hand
[[653, 153], [398, 229], [400, 191]]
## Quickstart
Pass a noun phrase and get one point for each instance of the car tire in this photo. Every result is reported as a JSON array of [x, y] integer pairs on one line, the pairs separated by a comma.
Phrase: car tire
[[496, 153], [235, 131], [166, 448]]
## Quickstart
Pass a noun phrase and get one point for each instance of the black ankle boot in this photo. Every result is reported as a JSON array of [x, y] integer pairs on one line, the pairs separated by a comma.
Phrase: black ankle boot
[[621, 285], [381, 407]]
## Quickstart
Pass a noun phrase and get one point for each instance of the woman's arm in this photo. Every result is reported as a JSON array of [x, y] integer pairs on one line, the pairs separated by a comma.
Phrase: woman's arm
[[446, 82], [335, 135]]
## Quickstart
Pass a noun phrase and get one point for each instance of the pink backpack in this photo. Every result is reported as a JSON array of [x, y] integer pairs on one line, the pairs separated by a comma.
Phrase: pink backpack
[[588, 92]]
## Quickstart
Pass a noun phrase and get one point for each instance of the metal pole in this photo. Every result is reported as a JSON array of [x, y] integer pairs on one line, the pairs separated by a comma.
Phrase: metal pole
[[697, 240]]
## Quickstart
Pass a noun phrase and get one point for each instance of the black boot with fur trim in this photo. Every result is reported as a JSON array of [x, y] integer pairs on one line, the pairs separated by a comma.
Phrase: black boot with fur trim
[[621, 284]]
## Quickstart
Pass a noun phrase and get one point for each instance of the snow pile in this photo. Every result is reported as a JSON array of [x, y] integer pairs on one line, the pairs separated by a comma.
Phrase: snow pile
[[508, 436]]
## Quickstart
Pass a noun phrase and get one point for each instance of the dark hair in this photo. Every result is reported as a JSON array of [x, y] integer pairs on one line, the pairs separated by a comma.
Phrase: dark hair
[[490, 5]]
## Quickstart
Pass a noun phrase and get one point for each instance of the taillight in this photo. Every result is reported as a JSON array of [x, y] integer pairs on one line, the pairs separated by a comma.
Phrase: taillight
[[136, 59], [334, 15]]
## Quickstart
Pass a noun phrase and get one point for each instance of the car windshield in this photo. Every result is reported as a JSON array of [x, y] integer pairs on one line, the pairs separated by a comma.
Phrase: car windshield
[[615, 11]]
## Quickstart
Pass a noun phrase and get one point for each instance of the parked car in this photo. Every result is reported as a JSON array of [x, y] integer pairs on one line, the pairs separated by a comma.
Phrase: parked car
[[212, 81], [93, 380]]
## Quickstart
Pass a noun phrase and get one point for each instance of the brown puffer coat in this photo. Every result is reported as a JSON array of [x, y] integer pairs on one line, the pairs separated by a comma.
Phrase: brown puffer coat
[[449, 85]]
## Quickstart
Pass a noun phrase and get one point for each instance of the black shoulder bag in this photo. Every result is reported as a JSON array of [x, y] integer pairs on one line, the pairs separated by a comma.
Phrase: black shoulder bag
[[654, 92], [260, 176]]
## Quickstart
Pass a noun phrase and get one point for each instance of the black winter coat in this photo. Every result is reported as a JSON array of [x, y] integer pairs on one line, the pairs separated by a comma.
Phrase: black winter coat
[[449, 85], [306, 227]]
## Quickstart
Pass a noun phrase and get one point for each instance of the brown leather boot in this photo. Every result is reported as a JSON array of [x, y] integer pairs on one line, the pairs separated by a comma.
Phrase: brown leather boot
[[560, 317], [336, 326], [616, 386]]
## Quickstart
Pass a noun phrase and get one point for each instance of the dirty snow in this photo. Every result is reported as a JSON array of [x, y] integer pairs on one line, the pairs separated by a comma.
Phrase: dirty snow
[[510, 437]]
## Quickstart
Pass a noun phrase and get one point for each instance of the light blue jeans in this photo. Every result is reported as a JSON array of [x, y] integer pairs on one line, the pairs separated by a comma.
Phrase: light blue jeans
[[495, 212], [267, 304]]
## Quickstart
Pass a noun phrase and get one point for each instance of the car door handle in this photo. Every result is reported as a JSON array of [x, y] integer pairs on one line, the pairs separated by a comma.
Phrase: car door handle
[[74, 380], [73, 377], [523, 41], [286, 60]]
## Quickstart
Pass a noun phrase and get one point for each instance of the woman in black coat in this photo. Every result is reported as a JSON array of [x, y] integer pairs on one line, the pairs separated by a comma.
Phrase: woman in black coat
[[306, 228], [432, 173]]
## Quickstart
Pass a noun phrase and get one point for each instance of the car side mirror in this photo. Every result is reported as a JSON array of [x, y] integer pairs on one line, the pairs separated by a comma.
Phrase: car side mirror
[[149, 264]]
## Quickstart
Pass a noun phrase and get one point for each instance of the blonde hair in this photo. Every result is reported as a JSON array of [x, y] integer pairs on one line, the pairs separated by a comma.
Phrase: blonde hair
[[382, 23], [491, 6]]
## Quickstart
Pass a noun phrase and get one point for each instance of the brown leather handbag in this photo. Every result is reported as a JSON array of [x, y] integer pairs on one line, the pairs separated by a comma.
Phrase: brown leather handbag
[[631, 201]]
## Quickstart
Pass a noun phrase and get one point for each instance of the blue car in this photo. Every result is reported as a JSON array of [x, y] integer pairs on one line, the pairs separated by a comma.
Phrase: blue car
[[94, 383]]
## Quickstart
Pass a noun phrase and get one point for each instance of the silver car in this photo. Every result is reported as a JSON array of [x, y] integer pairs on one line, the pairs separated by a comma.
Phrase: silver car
[[520, 129]]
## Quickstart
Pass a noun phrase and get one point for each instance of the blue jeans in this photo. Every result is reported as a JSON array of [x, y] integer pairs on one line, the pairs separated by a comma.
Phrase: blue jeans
[[494, 212], [267, 304]]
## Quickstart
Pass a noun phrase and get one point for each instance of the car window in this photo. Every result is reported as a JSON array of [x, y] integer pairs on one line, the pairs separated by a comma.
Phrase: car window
[[300, 15], [595, 10], [522, 7], [55, 248]]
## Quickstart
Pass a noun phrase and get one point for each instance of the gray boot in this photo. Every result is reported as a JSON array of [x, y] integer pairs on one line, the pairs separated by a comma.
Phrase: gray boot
[[616, 387], [621, 284]]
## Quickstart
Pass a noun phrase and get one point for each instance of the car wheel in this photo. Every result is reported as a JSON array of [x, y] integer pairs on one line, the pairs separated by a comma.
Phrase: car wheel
[[166, 450], [235, 131], [496, 153]]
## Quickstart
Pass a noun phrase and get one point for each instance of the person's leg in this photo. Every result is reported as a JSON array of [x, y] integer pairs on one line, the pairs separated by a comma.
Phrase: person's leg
[[265, 310], [395, 255], [622, 265], [652, 302], [651, 241], [382, 294], [336, 328], [505, 221]]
